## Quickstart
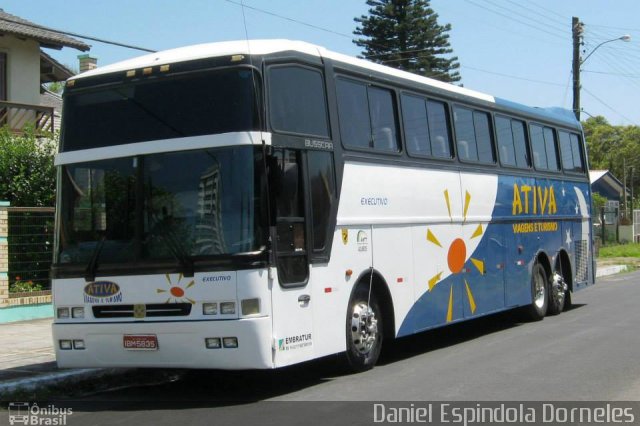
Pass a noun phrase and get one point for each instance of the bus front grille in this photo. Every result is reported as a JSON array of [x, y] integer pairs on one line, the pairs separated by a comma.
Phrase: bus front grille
[[151, 310]]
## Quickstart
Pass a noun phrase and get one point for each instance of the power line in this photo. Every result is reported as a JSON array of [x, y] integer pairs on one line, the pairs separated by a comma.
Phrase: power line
[[515, 19], [72, 34], [561, 29], [546, 16], [512, 76], [607, 105], [266, 12], [613, 73]]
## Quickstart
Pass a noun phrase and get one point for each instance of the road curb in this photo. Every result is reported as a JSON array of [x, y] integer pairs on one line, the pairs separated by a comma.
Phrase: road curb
[[604, 271]]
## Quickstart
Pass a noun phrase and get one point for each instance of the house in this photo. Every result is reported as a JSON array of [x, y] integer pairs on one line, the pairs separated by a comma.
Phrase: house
[[25, 67], [607, 185]]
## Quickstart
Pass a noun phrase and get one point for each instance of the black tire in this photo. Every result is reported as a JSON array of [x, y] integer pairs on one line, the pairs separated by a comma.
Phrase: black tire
[[568, 303], [558, 294], [363, 330], [539, 294]]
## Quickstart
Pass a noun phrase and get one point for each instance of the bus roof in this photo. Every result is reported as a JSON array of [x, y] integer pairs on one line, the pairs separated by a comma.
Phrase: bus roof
[[265, 47]]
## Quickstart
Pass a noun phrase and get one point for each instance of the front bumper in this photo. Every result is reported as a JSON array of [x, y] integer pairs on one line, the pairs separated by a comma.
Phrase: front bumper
[[181, 344]]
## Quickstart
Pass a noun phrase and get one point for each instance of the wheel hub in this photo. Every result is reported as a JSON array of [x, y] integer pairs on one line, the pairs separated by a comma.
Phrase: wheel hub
[[558, 288], [364, 328], [539, 290]]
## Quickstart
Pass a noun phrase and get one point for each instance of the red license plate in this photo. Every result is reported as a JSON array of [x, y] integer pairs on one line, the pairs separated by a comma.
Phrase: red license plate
[[140, 342]]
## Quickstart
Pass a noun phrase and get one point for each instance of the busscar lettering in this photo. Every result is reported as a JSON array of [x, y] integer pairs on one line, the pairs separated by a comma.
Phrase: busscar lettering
[[534, 199], [310, 143]]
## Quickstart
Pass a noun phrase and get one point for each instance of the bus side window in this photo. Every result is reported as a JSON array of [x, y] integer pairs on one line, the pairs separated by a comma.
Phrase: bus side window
[[297, 101], [322, 195], [439, 129], [576, 149], [538, 146]]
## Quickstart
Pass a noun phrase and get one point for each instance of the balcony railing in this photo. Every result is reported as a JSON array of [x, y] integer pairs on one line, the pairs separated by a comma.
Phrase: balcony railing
[[19, 116]]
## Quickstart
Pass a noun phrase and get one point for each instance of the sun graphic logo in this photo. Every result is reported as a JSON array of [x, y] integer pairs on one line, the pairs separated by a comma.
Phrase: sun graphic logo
[[177, 291], [457, 256]]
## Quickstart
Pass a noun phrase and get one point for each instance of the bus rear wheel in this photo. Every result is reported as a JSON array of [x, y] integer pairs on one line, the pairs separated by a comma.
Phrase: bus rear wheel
[[539, 294], [363, 330]]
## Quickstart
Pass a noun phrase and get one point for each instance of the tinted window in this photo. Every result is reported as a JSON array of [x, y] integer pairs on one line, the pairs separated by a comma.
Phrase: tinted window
[[367, 116], [483, 137], [538, 147], [565, 150], [297, 102], [426, 127], [543, 142], [576, 149], [322, 186], [355, 124], [465, 134], [550, 144], [285, 183], [168, 107], [520, 143], [506, 149], [416, 126], [512, 142], [473, 135], [383, 120], [439, 129]]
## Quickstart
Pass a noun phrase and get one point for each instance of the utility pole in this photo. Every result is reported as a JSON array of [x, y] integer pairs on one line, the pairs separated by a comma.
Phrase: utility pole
[[576, 29]]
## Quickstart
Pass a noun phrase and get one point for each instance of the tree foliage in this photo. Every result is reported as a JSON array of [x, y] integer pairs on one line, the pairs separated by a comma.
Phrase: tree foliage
[[405, 34], [613, 148], [27, 173]]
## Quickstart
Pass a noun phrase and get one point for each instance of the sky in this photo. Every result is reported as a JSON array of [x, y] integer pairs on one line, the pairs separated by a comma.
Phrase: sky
[[512, 49]]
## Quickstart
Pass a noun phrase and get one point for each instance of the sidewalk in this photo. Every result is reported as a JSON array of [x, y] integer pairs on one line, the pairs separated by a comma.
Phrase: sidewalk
[[27, 358]]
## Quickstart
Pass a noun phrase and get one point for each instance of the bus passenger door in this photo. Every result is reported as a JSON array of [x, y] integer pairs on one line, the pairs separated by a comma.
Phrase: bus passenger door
[[291, 289]]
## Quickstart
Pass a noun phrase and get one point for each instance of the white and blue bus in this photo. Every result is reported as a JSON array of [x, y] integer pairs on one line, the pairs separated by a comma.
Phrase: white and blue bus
[[256, 204]]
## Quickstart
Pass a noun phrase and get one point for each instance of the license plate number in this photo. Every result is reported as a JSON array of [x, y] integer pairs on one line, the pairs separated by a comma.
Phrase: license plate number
[[145, 342]]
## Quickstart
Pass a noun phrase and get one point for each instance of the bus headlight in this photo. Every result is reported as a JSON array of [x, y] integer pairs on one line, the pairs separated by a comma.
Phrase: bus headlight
[[228, 308], [210, 309], [63, 313], [77, 312], [65, 345], [212, 342], [230, 342], [250, 306]]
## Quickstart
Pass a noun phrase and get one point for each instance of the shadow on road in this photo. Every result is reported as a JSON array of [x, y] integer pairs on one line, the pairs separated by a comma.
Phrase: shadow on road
[[155, 389]]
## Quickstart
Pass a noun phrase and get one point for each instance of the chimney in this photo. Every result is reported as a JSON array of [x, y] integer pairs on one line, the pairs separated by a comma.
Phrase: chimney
[[87, 62]]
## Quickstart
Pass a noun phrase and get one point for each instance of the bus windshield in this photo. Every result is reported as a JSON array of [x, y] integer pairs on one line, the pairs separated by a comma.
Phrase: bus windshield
[[162, 207], [172, 106]]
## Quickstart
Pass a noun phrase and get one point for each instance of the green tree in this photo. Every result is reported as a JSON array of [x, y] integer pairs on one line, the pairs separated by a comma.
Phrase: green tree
[[405, 34], [27, 173], [613, 148]]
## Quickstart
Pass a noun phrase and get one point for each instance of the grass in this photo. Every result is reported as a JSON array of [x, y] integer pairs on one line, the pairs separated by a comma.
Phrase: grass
[[623, 254], [623, 250]]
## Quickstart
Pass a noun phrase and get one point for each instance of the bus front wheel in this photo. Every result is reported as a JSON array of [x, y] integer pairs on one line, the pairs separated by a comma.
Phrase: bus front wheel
[[363, 330], [539, 293]]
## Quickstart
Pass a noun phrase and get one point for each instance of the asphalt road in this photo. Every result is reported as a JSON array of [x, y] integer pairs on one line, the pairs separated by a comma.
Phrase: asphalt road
[[590, 352]]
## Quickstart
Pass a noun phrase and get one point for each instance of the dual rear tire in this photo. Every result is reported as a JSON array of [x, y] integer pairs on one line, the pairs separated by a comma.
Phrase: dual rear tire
[[549, 295]]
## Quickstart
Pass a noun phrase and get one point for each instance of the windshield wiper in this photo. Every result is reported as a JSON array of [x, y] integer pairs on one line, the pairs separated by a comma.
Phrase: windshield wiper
[[176, 250], [90, 272]]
